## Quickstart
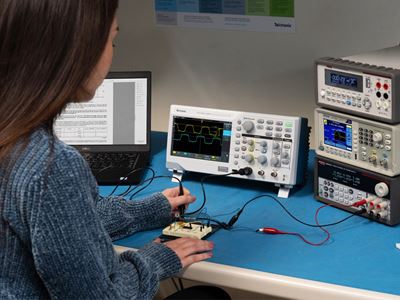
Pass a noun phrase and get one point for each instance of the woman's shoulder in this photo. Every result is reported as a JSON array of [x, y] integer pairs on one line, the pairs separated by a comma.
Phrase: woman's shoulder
[[44, 152]]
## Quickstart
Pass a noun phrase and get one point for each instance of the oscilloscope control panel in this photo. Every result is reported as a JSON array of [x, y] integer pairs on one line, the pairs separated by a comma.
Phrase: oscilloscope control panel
[[215, 141], [366, 84], [342, 186], [363, 143]]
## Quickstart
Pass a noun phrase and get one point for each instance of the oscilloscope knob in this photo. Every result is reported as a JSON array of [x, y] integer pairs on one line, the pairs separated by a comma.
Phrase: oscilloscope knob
[[263, 144], [381, 189], [377, 137], [262, 159], [274, 161], [275, 146], [248, 126], [249, 158]]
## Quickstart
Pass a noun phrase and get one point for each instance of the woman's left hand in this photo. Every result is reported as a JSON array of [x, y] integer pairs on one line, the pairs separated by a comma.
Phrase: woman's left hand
[[175, 200]]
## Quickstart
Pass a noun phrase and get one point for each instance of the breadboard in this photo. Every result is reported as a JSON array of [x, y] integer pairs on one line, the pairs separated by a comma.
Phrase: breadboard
[[187, 229]]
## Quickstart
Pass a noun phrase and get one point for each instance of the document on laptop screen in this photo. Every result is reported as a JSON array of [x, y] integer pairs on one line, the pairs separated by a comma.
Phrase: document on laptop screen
[[117, 115]]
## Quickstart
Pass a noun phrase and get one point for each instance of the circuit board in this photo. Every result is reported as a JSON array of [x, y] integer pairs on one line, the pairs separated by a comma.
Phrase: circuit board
[[195, 230]]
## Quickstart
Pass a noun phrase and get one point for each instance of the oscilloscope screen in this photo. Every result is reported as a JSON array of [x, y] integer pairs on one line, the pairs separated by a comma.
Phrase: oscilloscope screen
[[201, 139]]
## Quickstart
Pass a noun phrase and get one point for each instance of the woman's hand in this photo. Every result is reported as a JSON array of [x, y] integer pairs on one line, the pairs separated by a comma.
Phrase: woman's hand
[[190, 250], [175, 200]]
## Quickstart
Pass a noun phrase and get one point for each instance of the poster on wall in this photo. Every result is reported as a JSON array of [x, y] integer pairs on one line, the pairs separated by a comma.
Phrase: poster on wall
[[252, 15]]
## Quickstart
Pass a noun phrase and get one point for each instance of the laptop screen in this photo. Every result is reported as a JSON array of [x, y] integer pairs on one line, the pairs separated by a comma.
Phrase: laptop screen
[[117, 115]]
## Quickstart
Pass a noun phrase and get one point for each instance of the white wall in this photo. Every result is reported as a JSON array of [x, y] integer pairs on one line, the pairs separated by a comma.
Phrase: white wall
[[249, 71]]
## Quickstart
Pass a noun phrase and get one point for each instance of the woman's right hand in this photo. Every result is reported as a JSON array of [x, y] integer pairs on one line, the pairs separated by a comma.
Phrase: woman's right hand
[[190, 250]]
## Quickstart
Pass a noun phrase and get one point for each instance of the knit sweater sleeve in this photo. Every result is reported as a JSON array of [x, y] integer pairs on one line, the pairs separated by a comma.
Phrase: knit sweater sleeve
[[72, 250], [122, 218]]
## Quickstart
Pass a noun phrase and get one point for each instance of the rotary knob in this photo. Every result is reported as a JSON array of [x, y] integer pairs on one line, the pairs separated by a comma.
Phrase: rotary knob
[[381, 189], [262, 159], [249, 158], [377, 137], [275, 161], [264, 144], [275, 145], [367, 103], [250, 142], [248, 126]]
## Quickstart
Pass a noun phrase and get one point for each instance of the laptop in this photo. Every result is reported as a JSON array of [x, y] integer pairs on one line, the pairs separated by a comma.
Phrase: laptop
[[112, 131]]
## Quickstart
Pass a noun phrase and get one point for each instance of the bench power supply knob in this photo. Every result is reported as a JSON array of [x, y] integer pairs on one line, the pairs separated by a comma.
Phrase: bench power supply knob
[[381, 189]]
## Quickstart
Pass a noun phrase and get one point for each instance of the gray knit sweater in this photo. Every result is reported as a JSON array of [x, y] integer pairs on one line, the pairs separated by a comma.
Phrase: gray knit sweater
[[56, 231]]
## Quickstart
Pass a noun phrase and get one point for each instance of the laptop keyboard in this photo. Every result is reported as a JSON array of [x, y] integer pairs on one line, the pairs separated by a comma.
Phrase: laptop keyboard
[[102, 160]]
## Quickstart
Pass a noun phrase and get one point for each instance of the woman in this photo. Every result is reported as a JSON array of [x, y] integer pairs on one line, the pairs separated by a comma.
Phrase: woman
[[55, 229]]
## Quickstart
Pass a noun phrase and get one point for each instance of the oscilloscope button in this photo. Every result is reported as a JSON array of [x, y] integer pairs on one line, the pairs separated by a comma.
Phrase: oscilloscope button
[[286, 146], [260, 121], [238, 128], [261, 127], [285, 155], [278, 135], [268, 134], [263, 144], [270, 122]]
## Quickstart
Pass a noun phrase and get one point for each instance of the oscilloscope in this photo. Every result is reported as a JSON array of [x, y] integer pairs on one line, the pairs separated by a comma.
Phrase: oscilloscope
[[215, 141], [366, 84]]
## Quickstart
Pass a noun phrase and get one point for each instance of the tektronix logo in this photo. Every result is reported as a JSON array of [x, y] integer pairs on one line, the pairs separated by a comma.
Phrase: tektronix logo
[[282, 25], [181, 110]]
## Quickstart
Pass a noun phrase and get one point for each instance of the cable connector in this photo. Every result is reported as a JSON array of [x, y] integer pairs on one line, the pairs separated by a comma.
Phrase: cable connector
[[243, 171], [270, 230], [233, 220], [359, 203]]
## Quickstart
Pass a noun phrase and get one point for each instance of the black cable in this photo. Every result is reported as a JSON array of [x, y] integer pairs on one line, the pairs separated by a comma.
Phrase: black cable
[[130, 172], [160, 176], [204, 191], [129, 189], [290, 214], [139, 184], [181, 284], [176, 286]]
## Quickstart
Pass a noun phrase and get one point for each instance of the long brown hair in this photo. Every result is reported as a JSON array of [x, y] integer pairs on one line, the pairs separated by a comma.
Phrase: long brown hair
[[48, 50]]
